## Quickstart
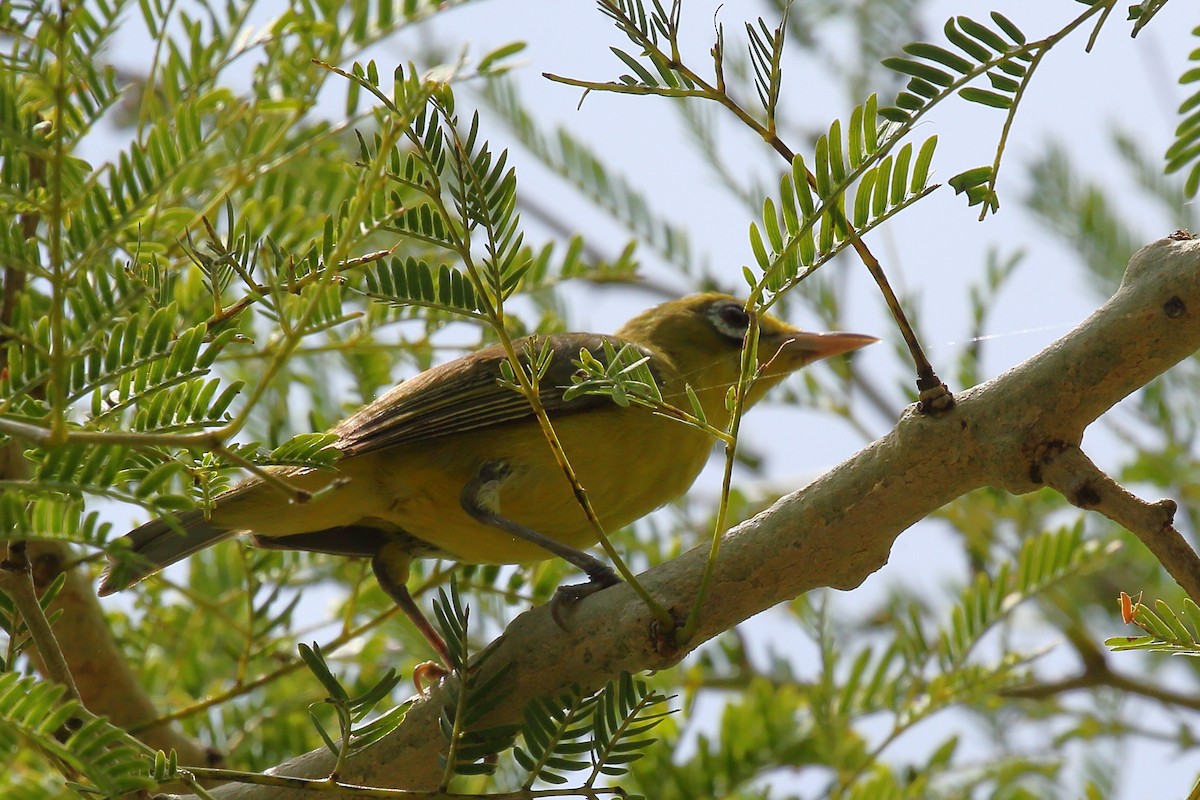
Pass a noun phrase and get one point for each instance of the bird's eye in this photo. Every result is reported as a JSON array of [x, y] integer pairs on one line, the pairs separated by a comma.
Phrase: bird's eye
[[730, 319]]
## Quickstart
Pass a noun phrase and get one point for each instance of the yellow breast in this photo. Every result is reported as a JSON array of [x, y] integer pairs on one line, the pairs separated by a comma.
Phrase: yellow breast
[[629, 462]]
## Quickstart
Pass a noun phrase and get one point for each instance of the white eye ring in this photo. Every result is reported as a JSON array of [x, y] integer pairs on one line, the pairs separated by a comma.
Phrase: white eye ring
[[730, 319]]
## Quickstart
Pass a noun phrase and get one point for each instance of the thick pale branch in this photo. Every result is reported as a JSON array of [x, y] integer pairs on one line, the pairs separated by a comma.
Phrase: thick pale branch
[[838, 530]]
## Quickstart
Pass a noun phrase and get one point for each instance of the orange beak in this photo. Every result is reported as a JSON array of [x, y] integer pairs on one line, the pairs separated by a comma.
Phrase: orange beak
[[797, 348]]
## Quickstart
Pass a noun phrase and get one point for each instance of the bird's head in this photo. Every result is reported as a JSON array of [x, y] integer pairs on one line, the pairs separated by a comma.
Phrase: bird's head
[[701, 336]]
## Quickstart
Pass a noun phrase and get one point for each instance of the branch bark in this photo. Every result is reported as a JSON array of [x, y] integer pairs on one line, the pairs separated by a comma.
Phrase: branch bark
[[1074, 476], [838, 530]]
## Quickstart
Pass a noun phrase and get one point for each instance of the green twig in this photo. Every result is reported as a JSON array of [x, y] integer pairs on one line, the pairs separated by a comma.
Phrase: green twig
[[16, 580]]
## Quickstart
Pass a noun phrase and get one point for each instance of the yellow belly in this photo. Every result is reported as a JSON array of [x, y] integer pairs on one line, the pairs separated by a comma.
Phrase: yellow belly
[[418, 487], [625, 477]]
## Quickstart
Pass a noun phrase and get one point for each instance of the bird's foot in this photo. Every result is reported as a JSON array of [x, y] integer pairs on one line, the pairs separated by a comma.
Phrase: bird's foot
[[427, 673], [666, 636], [567, 597]]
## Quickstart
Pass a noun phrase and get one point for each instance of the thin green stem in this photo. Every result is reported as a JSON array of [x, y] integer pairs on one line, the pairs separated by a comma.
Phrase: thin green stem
[[749, 357], [456, 731], [679, 415], [493, 308], [581, 496], [45, 436], [333, 786], [346, 725], [57, 389], [1038, 53], [16, 581]]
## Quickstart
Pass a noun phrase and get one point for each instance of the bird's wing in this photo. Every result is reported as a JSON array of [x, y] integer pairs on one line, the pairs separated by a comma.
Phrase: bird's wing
[[465, 394]]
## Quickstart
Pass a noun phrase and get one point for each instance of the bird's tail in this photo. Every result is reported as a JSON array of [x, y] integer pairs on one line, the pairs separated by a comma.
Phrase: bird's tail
[[159, 544]]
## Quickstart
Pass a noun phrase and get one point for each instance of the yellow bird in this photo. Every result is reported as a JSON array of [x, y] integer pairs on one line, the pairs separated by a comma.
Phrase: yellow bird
[[452, 464]]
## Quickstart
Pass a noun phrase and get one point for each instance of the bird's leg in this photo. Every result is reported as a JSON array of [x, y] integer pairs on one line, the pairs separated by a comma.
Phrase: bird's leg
[[481, 499], [392, 575]]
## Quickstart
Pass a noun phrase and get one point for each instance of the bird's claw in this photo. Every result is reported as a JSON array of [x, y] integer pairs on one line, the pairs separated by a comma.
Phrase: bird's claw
[[567, 597], [428, 673]]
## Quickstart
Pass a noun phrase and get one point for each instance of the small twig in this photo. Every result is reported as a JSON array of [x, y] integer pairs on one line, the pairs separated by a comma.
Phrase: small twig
[[16, 580], [43, 436], [15, 277], [334, 786], [1067, 469], [1107, 679], [1096, 674]]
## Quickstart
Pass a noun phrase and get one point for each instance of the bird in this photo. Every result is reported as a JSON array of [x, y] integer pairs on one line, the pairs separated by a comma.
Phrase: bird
[[452, 463]]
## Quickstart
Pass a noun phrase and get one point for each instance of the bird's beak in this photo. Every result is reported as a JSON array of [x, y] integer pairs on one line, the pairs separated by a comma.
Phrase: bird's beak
[[797, 348]]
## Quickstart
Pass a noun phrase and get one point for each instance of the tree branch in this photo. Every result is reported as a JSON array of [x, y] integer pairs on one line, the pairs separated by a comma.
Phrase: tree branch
[[16, 581], [1095, 679], [1096, 673], [839, 529], [106, 684], [1074, 475]]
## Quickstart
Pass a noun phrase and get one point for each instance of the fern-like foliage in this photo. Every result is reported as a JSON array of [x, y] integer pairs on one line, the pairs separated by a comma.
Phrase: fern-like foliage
[[148, 329], [121, 345], [123, 203], [410, 281], [920, 671], [1044, 560], [143, 329], [612, 727], [1000, 52], [627, 711], [1184, 152], [816, 716], [55, 515], [648, 29], [1165, 630], [104, 759], [813, 220], [766, 58], [624, 376], [353, 734], [453, 617], [761, 727], [997, 52], [455, 195], [1081, 211], [553, 735], [811, 224], [471, 749], [578, 164]]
